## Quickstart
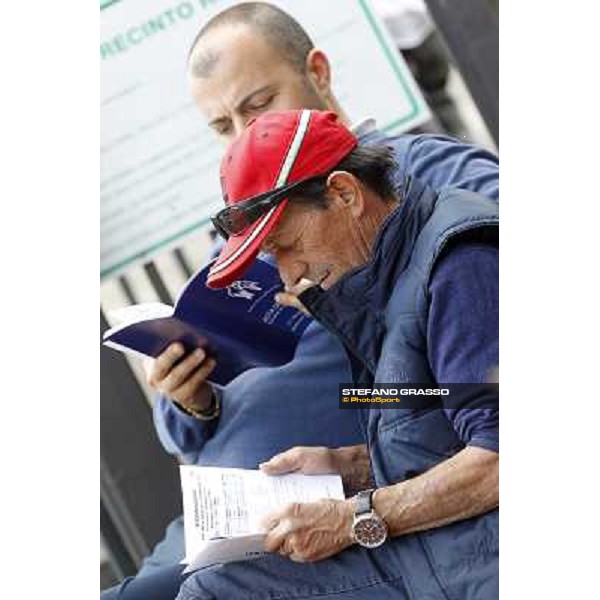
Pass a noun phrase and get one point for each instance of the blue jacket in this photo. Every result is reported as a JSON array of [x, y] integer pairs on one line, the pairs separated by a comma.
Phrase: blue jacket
[[253, 424], [268, 410], [380, 311]]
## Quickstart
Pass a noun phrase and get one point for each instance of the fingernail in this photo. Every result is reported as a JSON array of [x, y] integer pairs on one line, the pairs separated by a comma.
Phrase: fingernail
[[199, 353], [177, 350]]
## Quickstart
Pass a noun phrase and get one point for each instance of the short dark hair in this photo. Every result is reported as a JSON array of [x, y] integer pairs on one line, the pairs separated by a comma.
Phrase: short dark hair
[[372, 165], [283, 33]]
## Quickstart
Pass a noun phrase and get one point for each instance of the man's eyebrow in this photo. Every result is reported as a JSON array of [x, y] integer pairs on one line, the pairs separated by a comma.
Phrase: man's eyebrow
[[240, 105], [270, 240], [219, 121]]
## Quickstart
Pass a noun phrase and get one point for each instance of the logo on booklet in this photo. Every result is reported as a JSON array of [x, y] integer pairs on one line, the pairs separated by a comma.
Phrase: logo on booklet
[[243, 289]]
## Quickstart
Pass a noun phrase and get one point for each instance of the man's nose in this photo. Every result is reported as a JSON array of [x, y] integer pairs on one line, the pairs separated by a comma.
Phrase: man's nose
[[240, 123]]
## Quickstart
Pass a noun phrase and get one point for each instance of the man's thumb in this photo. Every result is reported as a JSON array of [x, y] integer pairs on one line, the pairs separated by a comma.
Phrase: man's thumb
[[279, 464], [288, 299]]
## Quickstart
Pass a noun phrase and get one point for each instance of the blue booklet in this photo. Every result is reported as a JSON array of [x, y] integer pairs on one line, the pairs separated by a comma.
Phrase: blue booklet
[[241, 326]]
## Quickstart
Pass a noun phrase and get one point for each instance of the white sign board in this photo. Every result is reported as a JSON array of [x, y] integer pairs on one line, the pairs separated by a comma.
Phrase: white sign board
[[159, 160]]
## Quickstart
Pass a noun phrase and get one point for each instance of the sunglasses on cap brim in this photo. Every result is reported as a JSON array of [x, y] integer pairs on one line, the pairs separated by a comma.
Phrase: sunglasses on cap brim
[[234, 219]]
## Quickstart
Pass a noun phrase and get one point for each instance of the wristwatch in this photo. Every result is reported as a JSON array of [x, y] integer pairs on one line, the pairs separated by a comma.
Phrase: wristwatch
[[368, 528]]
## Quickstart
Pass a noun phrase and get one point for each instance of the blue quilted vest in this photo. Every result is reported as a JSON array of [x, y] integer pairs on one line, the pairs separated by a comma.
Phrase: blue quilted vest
[[380, 311]]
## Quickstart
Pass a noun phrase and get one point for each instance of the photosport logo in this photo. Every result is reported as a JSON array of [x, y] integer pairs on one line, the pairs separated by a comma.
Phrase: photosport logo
[[243, 289]]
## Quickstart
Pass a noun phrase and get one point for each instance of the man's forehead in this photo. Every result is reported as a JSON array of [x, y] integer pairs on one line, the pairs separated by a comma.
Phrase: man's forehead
[[230, 44], [237, 69], [220, 98]]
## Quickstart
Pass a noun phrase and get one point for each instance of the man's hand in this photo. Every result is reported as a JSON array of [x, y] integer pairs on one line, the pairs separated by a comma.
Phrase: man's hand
[[182, 380], [303, 459], [351, 462], [310, 531], [290, 296]]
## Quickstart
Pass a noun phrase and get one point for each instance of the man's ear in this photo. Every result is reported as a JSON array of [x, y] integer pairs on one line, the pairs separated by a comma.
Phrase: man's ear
[[319, 71], [346, 190]]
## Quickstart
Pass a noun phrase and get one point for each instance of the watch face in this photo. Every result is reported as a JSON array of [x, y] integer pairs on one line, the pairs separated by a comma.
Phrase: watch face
[[370, 531]]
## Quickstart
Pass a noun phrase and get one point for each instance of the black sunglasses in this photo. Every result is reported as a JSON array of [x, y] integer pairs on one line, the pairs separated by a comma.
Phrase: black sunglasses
[[236, 218]]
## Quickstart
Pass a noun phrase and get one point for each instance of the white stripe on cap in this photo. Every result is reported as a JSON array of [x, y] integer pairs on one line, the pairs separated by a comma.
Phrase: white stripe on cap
[[286, 168]]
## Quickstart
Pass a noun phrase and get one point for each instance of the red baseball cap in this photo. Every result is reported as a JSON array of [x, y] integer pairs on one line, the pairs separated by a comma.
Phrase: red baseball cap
[[276, 150]]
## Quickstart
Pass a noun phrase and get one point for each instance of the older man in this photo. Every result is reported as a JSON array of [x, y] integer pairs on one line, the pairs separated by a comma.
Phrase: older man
[[409, 284]]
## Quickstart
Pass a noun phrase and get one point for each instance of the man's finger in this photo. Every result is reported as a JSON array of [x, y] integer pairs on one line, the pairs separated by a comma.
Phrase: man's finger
[[288, 299], [164, 363], [190, 387], [148, 364], [301, 286], [297, 558], [275, 538], [269, 521], [180, 373], [285, 462]]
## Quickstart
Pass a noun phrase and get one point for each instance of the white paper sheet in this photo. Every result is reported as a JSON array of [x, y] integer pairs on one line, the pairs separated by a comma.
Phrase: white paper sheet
[[223, 508]]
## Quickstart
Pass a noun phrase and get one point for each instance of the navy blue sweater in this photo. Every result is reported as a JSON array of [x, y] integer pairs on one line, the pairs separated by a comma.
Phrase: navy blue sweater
[[462, 334]]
